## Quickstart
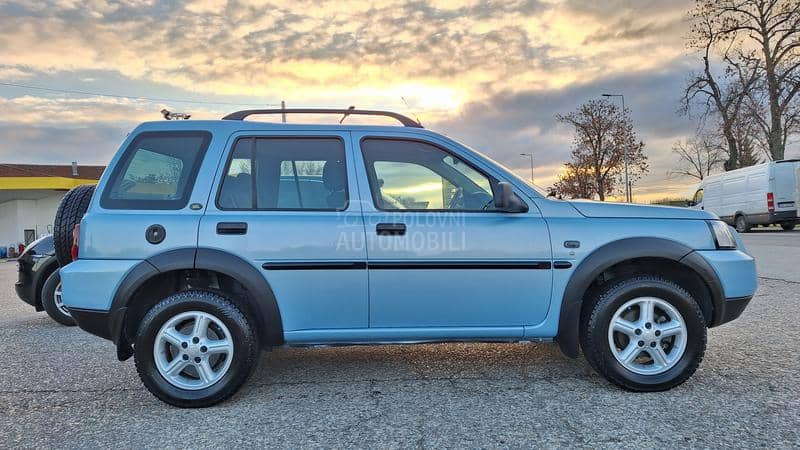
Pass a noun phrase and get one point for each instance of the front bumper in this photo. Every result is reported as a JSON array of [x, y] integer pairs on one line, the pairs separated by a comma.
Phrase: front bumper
[[732, 308], [738, 282]]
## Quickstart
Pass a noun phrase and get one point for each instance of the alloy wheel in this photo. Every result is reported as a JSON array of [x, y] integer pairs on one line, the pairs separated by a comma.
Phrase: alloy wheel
[[193, 350], [59, 302], [647, 335]]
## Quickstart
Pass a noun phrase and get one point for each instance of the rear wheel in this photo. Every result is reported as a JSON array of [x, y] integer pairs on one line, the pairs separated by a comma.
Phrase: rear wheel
[[195, 349], [70, 212], [741, 224], [644, 333], [51, 300], [787, 226]]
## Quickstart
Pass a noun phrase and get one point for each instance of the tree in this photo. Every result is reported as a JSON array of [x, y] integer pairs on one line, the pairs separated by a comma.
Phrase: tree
[[750, 146], [603, 133], [721, 95], [765, 35], [574, 182], [698, 157]]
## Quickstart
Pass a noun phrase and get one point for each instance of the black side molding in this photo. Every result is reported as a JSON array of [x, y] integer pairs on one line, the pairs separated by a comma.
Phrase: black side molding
[[345, 265], [407, 265], [414, 265]]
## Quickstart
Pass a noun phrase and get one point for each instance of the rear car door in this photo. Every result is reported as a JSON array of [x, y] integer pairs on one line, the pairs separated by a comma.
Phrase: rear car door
[[286, 202], [441, 258], [785, 187]]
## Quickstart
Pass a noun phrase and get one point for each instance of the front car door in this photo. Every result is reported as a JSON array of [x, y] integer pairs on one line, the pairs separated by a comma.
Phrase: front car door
[[285, 202], [443, 263]]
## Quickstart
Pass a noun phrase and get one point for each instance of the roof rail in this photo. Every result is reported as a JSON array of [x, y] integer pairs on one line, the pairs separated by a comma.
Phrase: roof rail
[[406, 121]]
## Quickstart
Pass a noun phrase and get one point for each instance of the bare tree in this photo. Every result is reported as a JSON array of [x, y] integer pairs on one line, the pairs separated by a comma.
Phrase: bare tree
[[603, 133], [698, 157], [721, 94], [772, 29]]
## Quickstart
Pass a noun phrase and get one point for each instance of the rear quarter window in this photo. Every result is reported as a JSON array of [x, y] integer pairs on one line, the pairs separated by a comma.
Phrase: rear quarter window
[[156, 171]]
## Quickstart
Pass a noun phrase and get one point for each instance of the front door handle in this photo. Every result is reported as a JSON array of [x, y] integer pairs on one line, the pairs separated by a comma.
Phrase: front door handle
[[232, 228], [390, 229]]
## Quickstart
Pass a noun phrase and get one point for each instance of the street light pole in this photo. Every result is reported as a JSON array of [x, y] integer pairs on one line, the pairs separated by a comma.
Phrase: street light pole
[[628, 193], [529, 155]]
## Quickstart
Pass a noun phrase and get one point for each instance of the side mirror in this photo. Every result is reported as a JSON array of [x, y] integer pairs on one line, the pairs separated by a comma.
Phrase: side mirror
[[506, 200], [690, 203]]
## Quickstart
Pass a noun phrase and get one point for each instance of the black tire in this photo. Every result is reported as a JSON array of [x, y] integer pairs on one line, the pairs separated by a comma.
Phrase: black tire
[[49, 301], [741, 224], [787, 226], [70, 212], [596, 321], [246, 348]]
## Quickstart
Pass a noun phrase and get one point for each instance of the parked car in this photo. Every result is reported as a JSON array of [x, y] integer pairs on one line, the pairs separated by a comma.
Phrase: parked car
[[763, 194], [39, 283], [201, 247]]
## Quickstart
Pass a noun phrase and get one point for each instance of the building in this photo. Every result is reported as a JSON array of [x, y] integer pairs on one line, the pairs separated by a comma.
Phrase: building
[[29, 197]]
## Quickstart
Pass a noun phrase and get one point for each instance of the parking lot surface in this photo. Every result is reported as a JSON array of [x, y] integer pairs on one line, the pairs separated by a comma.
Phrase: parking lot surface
[[61, 387]]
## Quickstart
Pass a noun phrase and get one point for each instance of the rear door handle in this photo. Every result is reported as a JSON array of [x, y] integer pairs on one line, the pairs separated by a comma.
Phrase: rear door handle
[[232, 228], [390, 229]]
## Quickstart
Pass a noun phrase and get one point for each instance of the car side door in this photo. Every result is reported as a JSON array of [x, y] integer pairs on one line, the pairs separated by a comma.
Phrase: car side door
[[443, 261], [287, 203]]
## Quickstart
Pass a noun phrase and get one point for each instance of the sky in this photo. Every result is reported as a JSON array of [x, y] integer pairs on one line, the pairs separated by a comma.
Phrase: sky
[[492, 75]]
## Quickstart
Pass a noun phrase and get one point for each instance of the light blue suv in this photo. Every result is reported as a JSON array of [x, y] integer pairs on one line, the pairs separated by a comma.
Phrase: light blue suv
[[208, 241]]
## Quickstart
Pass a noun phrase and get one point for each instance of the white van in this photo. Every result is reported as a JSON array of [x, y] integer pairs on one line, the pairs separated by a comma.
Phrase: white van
[[757, 195]]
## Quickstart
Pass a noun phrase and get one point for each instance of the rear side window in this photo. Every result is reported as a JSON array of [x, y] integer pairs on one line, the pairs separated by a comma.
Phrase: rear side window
[[285, 174], [156, 171]]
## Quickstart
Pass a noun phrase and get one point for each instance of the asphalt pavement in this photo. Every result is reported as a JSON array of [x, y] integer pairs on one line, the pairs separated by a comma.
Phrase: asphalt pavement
[[61, 387]]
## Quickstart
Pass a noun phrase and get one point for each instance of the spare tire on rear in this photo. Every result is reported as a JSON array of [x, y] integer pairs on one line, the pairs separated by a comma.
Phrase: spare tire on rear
[[70, 212]]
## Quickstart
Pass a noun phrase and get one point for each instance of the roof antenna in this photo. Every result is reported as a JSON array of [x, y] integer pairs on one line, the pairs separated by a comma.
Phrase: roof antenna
[[409, 109], [346, 114], [174, 116]]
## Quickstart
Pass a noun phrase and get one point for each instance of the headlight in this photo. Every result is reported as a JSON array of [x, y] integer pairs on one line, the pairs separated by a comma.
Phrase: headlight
[[722, 234]]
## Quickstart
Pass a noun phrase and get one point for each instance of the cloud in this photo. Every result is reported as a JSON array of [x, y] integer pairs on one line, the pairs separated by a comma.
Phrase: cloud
[[491, 74], [632, 28], [31, 143], [308, 49]]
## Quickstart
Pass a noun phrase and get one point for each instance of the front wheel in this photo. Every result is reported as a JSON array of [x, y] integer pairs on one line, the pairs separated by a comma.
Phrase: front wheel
[[644, 333], [787, 226], [195, 349]]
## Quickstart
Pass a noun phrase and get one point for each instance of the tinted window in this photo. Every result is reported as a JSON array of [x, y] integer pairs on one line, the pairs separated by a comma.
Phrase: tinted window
[[419, 176], [156, 171], [285, 174]]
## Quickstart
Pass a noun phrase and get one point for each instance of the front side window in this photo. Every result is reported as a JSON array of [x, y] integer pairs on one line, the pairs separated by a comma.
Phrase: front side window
[[285, 174], [412, 175], [156, 171]]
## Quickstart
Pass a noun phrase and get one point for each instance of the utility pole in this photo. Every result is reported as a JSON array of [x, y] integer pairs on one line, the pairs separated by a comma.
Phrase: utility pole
[[283, 106], [628, 191], [529, 155]]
